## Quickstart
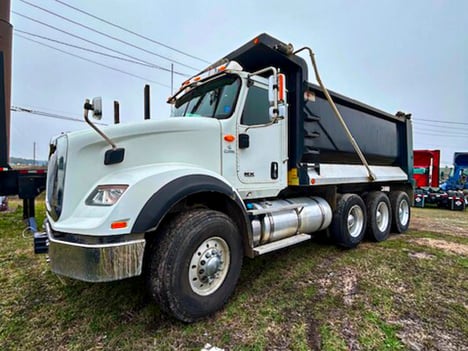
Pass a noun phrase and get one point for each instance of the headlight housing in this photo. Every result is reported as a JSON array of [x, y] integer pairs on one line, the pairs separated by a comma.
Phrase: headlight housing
[[106, 195]]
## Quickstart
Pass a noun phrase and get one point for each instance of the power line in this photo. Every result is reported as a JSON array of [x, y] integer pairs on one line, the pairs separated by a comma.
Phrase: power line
[[447, 125], [441, 132], [83, 48], [96, 63], [97, 44], [47, 114], [442, 135], [131, 32], [444, 127], [434, 121], [108, 35]]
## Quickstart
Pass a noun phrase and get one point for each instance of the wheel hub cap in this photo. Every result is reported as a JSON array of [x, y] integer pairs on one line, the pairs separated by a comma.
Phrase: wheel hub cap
[[213, 264], [403, 212], [355, 221], [382, 216], [209, 266]]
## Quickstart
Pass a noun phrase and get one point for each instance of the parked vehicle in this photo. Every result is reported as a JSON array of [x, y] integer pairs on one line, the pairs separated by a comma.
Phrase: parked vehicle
[[426, 176], [254, 159], [457, 184], [26, 183]]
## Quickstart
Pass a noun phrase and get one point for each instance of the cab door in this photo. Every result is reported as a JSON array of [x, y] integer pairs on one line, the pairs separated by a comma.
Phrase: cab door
[[262, 154]]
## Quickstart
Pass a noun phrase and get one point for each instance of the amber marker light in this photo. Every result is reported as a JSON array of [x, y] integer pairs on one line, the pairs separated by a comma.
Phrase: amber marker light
[[119, 225], [281, 90], [229, 138], [255, 41]]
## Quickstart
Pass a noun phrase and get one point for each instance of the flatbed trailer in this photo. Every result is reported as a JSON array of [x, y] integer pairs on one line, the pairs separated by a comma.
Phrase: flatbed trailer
[[24, 183]]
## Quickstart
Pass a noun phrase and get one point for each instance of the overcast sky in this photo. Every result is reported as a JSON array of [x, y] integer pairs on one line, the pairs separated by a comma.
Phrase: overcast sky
[[394, 55]]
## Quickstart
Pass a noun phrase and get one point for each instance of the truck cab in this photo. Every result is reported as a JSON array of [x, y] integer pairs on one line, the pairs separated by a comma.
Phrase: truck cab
[[254, 150]]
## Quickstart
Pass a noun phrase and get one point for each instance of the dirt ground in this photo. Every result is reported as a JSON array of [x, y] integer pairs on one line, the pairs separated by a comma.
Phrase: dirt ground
[[445, 222]]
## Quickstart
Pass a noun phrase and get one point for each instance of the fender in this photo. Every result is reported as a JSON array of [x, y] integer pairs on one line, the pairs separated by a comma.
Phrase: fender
[[165, 198]]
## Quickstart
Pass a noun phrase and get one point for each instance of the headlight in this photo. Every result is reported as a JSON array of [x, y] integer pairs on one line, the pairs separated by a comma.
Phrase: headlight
[[106, 195]]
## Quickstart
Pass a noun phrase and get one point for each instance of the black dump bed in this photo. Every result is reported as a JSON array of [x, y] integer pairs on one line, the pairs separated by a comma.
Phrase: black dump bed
[[315, 135]]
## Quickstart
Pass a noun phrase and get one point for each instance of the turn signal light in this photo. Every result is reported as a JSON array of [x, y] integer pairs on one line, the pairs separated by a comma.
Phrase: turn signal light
[[119, 225], [229, 138], [281, 87]]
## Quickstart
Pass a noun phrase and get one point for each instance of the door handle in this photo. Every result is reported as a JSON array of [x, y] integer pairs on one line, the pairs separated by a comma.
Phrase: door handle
[[274, 170], [244, 141]]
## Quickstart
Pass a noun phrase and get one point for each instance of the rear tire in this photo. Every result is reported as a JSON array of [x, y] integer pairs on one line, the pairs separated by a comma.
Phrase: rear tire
[[349, 221], [195, 264], [379, 216], [401, 211]]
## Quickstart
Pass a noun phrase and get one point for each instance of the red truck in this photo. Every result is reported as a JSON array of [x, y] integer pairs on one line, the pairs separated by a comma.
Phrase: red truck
[[426, 177]]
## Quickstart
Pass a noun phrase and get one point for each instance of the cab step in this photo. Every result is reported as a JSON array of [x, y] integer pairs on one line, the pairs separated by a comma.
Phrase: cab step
[[276, 245]]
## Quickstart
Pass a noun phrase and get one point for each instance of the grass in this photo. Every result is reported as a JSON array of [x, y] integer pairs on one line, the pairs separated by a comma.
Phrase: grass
[[396, 295]]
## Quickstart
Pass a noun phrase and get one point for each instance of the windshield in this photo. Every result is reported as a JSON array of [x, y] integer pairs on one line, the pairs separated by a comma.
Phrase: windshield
[[213, 99]]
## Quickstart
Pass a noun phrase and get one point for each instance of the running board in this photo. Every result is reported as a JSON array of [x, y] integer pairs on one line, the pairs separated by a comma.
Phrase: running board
[[276, 245]]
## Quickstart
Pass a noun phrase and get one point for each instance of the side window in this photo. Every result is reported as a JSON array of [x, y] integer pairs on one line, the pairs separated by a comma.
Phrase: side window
[[227, 100], [256, 107]]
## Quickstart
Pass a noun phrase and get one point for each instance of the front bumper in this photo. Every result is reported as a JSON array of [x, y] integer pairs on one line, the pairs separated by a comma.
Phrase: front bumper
[[101, 262]]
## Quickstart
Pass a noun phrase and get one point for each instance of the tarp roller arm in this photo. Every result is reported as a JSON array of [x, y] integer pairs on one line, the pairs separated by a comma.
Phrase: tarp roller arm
[[371, 175]]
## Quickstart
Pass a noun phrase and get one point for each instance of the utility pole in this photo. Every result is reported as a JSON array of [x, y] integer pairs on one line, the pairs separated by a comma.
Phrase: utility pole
[[5, 81], [34, 153]]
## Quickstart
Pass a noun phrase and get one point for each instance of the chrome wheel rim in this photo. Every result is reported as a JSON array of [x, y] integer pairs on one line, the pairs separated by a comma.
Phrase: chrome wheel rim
[[382, 216], [355, 221], [209, 266], [403, 212]]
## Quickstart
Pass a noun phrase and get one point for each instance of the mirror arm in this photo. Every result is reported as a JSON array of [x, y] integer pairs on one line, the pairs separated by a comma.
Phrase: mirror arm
[[87, 108], [275, 74]]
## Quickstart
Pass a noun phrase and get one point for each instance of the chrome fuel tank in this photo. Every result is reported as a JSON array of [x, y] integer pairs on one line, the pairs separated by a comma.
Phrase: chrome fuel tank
[[278, 219]]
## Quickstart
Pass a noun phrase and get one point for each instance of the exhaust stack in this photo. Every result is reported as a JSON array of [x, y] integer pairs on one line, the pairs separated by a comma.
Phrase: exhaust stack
[[147, 102]]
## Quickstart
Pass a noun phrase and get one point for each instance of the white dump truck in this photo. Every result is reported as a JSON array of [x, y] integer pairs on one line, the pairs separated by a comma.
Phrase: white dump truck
[[254, 159]]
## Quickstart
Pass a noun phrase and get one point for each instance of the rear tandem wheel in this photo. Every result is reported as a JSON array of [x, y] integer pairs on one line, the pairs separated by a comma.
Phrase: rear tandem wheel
[[401, 211], [349, 221], [379, 216]]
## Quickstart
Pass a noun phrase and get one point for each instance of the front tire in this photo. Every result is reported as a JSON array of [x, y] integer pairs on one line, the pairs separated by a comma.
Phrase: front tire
[[349, 221], [195, 264]]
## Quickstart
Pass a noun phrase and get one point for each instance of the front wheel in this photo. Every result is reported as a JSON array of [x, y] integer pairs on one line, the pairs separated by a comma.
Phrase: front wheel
[[195, 264]]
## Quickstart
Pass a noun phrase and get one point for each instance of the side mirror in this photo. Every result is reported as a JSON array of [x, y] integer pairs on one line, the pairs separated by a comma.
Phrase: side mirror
[[277, 95], [97, 108]]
